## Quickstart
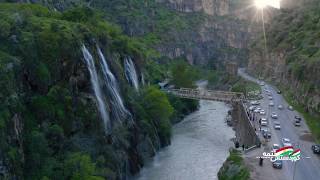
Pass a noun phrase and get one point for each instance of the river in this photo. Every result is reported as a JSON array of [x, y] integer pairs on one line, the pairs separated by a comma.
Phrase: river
[[199, 146]]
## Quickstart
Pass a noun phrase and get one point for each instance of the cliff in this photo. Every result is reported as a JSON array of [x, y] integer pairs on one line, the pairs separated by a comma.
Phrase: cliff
[[56, 69], [210, 7], [206, 32]]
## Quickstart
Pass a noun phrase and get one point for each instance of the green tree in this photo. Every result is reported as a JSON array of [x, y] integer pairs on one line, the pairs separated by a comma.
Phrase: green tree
[[182, 74], [79, 166], [158, 107], [5, 28]]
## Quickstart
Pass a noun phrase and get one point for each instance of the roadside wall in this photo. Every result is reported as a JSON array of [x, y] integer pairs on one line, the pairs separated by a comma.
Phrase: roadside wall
[[245, 132]]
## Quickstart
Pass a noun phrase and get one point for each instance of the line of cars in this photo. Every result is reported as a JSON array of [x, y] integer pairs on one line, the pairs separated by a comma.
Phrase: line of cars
[[285, 142], [277, 126], [266, 131]]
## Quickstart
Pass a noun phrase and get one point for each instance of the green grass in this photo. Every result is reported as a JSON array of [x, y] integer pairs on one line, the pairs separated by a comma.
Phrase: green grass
[[234, 168]]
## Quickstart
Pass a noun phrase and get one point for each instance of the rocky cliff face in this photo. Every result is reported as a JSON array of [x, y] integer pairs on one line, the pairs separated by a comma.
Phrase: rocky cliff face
[[222, 35], [206, 31], [210, 7]]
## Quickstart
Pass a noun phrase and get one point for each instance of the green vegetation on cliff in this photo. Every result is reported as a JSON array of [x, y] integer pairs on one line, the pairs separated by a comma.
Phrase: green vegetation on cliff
[[49, 124]]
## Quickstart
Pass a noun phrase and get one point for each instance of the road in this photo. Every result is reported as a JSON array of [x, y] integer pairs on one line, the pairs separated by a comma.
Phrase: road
[[308, 168]]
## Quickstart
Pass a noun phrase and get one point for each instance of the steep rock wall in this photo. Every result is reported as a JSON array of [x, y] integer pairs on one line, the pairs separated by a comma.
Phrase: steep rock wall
[[210, 7]]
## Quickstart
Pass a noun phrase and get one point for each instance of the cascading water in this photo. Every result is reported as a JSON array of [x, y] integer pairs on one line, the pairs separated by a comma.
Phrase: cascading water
[[118, 108], [142, 79], [96, 87], [130, 72]]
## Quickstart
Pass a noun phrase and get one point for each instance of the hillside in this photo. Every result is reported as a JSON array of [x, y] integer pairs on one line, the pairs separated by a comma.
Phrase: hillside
[[62, 118]]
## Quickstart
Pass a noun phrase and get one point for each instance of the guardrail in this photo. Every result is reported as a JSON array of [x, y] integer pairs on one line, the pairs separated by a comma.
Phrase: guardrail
[[225, 96]]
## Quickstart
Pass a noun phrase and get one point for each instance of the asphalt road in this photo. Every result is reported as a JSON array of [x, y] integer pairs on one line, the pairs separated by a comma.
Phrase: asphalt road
[[307, 168]]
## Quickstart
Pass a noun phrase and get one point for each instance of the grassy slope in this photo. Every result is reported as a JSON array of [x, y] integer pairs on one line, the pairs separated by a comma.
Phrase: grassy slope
[[234, 168]]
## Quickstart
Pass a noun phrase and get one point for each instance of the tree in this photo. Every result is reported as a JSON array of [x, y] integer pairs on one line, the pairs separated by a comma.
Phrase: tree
[[182, 75], [79, 166], [158, 107]]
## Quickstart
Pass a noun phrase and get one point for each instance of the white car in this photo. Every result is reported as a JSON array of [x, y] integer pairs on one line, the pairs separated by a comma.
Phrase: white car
[[274, 115], [257, 110], [264, 123], [271, 104], [270, 97], [286, 142], [254, 102], [275, 147], [251, 108], [262, 112], [280, 107], [290, 108], [277, 125]]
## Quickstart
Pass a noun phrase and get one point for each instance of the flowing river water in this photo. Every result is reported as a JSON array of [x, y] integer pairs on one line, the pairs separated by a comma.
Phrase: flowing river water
[[200, 144]]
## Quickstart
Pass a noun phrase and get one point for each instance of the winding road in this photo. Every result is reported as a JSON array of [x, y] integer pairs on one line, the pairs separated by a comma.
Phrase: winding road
[[307, 168]]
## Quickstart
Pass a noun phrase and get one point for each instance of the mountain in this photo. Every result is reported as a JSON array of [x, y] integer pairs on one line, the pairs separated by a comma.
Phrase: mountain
[[77, 79], [75, 99]]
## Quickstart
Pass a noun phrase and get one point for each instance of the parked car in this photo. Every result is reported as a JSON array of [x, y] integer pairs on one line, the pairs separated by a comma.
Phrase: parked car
[[266, 134], [270, 97], [275, 147], [316, 148], [277, 125], [251, 108], [279, 92], [277, 164], [262, 112], [286, 142], [297, 123], [274, 115], [290, 108], [264, 123], [254, 102], [271, 103], [280, 107], [298, 118]]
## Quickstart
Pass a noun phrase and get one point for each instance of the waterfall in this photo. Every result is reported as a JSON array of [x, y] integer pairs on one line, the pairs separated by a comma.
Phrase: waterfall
[[130, 72], [142, 79], [96, 87], [118, 108]]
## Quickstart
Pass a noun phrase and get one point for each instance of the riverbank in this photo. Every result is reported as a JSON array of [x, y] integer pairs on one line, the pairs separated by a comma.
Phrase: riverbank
[[200, 145], [234, 167]]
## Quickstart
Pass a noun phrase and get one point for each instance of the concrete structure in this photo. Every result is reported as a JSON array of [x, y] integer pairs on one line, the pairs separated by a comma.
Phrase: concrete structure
[[245, 131]]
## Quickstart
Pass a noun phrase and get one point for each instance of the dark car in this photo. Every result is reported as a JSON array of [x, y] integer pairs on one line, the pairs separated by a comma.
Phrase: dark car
[[277, 164], [297, 117], [297, 123], [279, 92], [316, 148], [266, 134]]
